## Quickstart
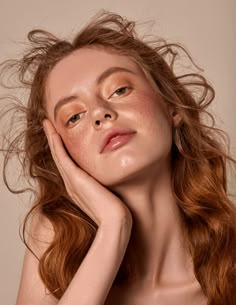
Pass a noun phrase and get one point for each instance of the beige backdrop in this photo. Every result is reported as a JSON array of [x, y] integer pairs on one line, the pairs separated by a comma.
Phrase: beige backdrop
[[206, 27]]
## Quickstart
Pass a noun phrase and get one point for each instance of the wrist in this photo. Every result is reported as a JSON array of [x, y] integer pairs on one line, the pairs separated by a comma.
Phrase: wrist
[[121, 223]]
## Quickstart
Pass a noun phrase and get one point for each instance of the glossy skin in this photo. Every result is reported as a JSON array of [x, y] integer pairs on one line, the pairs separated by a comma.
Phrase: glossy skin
[[133, 181], [136, 106]]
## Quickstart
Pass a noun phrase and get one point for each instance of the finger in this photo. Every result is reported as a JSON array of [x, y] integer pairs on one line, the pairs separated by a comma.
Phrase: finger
[[50, 131], [59, 154], [67, 168]]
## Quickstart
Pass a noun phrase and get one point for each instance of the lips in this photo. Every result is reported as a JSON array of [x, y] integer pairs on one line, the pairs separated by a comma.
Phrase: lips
[[112, 133]]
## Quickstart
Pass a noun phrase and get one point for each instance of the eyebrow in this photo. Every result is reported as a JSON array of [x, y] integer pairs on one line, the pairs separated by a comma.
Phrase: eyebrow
[[68, 99]]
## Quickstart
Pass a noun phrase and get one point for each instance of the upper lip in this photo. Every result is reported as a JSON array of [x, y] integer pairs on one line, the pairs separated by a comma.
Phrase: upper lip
[[111, 133]]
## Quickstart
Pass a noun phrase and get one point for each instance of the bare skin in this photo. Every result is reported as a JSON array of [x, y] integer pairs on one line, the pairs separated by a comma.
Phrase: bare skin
[[133, 182]]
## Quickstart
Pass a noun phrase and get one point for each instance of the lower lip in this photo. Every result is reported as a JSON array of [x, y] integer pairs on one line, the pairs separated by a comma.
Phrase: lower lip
[[118, 142]]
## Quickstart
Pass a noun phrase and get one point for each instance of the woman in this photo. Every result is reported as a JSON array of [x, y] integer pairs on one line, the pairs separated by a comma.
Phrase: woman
[[131, 204]]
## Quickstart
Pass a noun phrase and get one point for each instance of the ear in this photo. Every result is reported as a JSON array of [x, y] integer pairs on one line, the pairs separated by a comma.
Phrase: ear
[[176, 116]]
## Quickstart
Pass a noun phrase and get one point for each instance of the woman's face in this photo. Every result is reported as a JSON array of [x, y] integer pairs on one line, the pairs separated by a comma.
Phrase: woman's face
[[91, 92]]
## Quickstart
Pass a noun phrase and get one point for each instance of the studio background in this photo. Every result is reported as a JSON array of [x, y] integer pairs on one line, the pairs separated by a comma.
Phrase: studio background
[[206, 27]]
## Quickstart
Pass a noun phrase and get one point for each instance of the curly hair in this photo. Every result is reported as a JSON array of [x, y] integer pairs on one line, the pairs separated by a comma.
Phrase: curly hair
[[199, 157]]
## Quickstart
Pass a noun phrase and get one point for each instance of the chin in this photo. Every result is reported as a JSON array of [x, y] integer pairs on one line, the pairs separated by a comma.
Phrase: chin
[[129, 175]]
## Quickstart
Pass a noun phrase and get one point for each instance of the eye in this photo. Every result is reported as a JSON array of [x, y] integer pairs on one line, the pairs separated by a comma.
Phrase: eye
[[72, 120], [121, 91]]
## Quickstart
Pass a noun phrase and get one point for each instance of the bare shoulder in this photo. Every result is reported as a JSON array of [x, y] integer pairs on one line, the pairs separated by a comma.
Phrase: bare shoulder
[[32, 290], [40, 233]]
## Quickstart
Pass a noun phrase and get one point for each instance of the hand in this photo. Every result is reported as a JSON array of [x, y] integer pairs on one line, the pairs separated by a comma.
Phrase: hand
[[100, 204]]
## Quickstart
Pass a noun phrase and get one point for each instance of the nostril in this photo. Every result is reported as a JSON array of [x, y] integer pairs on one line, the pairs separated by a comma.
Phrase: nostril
[[97, 122]]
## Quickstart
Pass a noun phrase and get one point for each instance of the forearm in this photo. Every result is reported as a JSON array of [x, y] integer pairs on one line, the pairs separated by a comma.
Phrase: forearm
[[97, 272]]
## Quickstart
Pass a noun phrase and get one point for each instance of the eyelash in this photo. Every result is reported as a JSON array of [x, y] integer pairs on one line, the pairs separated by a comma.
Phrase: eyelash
[[79, 114], [125, 87], [73, 117]]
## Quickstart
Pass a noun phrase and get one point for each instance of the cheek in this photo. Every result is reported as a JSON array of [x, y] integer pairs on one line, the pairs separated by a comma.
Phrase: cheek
[[157, 125], [77, 148], [152, 112]]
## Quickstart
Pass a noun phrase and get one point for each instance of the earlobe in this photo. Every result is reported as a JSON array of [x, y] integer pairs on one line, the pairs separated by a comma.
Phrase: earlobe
[[176, 117]]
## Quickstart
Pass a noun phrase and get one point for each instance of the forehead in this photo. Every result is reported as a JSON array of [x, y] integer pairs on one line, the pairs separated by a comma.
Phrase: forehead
[[82, 67], [82, 59]]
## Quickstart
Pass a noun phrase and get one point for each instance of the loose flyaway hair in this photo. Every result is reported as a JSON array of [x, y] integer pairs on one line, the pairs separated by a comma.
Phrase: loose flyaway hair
[[199, 156]]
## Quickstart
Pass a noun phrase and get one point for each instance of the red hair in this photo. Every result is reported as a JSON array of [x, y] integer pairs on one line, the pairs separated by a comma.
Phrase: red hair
[[199, 159]]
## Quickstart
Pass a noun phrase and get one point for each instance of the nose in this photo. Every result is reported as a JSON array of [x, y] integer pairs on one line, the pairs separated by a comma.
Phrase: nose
[[101, 113]]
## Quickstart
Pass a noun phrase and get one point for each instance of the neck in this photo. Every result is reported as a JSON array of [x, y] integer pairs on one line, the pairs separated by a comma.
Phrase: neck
[[156, 250]]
